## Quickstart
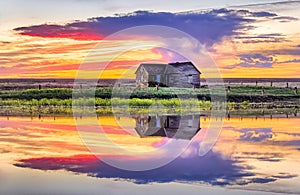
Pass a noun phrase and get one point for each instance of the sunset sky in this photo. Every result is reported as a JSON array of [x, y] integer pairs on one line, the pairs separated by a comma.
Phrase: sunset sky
[[50, 39]]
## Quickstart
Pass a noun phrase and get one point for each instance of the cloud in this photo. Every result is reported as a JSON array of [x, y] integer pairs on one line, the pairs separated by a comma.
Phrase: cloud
[[205, 26], [284, 176], [58, 31], [253, 61], [209, 27], [278, 3], [263, 38], [286, 18], [263, 14]]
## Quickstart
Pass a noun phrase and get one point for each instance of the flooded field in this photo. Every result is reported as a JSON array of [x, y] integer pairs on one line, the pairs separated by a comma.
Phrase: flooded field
[[66, 154]]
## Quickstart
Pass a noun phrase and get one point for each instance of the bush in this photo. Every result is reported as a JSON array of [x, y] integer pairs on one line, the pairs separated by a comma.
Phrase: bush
[[245, 104]]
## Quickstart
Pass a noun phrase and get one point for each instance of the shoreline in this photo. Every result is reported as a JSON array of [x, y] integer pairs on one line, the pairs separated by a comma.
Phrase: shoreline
[[252, 94], [125, 111]]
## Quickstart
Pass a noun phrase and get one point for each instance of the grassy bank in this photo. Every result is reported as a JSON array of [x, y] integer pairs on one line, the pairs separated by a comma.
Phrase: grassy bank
[[236, 94], [144, 103]]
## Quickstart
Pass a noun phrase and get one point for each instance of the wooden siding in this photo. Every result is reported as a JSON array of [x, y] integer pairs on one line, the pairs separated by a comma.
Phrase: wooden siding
[[182, 81], [174, 75], [142, 77]]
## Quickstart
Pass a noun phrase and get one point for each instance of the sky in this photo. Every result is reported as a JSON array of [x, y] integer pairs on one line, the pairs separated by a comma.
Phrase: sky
[[51, 39]]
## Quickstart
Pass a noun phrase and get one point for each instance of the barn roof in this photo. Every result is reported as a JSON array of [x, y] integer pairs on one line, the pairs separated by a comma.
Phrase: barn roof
[[185, 67], [153, 68]]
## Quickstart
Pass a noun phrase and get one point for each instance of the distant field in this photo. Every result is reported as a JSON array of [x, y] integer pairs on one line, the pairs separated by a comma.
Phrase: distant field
[[9, 84]]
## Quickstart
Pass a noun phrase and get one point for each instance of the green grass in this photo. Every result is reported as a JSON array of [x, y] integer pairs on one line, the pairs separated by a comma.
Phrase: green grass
[[167, 93], [257, 90]]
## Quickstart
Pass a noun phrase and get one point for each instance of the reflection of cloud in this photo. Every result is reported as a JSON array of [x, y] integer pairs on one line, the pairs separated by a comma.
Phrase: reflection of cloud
[[290, 61], [256, 135], [288, 143], [287, 51], [212, 169], [3, 151], [263, 156], [30, 137]]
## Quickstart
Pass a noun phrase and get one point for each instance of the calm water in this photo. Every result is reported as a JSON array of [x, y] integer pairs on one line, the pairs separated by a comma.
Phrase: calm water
[[47, 155]]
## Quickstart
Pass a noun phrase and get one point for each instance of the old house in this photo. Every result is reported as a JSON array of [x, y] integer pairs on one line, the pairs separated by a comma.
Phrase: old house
[[177, 126], [179, 74]]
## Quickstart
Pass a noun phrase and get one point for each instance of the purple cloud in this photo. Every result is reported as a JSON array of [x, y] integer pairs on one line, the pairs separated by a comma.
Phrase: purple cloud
[[286, 18], [278, 3], [253, 61], [263, 38], [290, 61], [208, 27]]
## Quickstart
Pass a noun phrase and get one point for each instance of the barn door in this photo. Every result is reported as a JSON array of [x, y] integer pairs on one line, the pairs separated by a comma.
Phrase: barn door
[[158, 78]]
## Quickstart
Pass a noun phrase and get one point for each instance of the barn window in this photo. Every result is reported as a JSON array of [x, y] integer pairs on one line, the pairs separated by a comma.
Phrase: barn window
[[142, 77], [158, 122], [158, 78], [190, 78]]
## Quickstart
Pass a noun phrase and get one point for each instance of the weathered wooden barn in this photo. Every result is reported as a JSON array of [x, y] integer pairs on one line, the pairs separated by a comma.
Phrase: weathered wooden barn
[[178, 126], [179, 74]]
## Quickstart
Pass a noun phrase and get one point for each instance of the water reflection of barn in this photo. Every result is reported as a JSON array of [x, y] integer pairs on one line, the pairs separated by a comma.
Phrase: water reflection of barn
[[177, 126]]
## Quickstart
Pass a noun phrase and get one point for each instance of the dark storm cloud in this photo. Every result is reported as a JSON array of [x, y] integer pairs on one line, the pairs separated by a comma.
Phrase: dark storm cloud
[[208, 27]]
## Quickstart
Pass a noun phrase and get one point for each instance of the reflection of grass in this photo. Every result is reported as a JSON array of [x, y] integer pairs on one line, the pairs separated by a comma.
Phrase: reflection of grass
[[100, 102], [121, 111]]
